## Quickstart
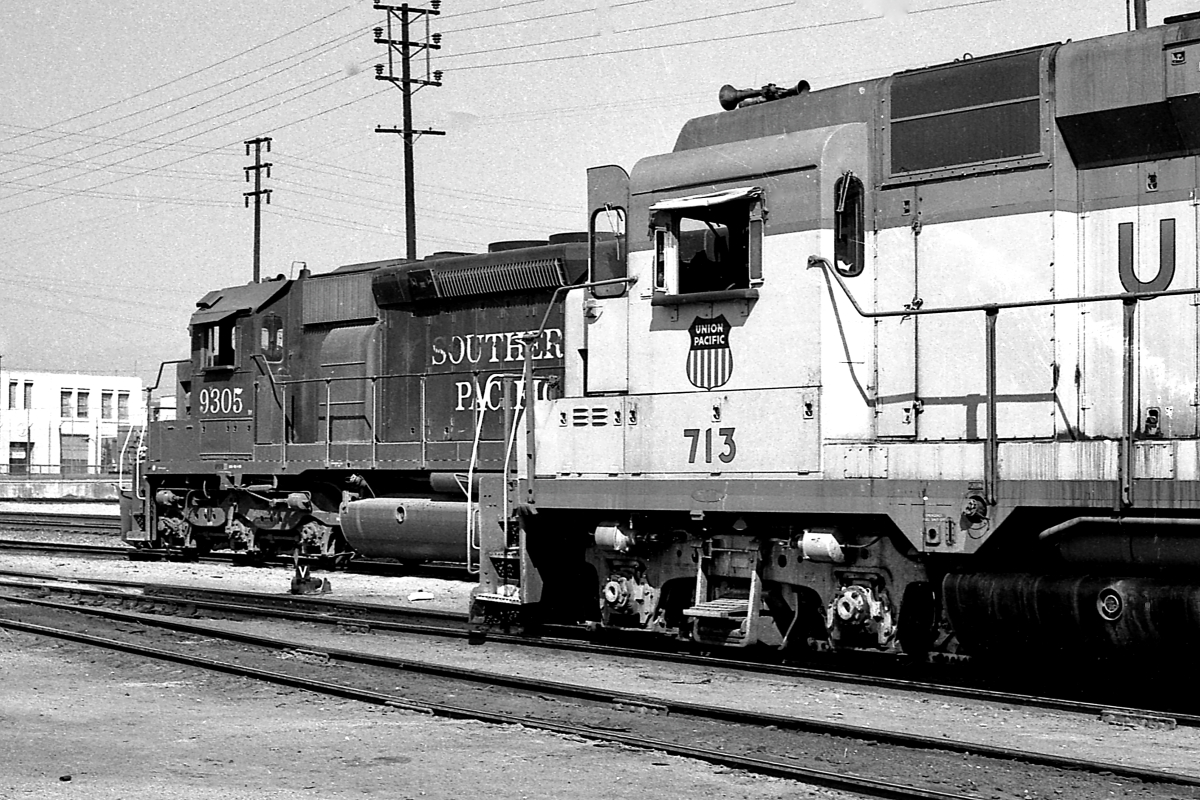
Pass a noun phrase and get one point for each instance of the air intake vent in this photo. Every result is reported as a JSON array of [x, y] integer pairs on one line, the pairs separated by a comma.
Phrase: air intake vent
[[484, 275], [595, 417], [495, 279]]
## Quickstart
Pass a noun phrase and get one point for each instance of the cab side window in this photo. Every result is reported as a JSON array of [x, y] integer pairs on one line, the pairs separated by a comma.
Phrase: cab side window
[[271, 338], [609, 250], [218, 344], [708, 243], [849, 225]]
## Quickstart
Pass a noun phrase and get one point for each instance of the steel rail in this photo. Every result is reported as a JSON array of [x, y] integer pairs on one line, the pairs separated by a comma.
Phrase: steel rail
[[324, 612], [66, 547], [626, 699], [22, 519], [360, 567], [862, 785]]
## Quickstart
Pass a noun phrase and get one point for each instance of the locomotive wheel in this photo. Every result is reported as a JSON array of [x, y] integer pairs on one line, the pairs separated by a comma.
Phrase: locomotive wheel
[[917, 626]]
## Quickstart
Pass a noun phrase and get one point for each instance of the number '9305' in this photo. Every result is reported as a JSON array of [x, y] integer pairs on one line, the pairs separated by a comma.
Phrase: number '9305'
[[220, 401]]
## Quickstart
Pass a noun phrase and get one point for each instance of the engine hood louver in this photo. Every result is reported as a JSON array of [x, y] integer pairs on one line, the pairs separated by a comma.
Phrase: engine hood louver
[[420, 283]]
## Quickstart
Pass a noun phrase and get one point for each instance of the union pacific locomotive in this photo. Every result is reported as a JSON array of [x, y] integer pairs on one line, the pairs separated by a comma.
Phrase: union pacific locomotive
[[909, 363]]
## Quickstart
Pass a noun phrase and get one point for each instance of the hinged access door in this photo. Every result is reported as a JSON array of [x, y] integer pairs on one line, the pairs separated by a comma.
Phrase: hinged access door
[[898, 226]]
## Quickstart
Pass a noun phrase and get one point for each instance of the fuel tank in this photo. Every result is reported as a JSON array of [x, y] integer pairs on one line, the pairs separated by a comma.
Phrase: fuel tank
[[1080, 614], [407, 528]]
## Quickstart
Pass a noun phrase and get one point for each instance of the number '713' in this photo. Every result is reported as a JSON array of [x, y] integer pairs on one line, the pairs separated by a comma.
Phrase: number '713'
[[729, 446]]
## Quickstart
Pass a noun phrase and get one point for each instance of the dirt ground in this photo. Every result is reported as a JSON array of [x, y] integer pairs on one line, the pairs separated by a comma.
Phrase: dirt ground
[[77, 723]]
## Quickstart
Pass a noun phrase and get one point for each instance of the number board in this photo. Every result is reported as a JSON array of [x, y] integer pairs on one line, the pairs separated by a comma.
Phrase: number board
[[773, 430], [221, 401]]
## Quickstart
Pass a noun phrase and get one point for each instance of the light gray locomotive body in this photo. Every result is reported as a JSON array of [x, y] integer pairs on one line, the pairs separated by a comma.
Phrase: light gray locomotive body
[[897, 363]]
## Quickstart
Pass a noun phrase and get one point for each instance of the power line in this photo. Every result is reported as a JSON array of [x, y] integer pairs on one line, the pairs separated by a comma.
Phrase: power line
[[60, 307], [178, 174], [352, 224], [173, 81], [442, 190], [140, 198], [210, 130], [687, 43], [438, 214], [50, 135], [221, 96]]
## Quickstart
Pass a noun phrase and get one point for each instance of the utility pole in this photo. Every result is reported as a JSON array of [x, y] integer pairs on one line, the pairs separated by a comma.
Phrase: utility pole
[[257, 194], [1139, 14], [405, 48]]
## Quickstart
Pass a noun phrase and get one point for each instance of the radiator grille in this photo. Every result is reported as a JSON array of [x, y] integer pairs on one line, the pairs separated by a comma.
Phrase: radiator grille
[[541, 273]]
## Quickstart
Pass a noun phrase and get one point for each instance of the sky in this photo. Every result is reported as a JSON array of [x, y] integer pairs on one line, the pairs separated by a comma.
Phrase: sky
[[122, 129]]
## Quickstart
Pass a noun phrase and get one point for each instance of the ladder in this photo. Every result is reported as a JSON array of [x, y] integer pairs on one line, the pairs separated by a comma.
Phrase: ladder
[[727, 621]]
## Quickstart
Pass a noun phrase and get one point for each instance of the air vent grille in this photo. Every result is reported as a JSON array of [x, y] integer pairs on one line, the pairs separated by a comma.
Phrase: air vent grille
[[541, 273], [595, 417]]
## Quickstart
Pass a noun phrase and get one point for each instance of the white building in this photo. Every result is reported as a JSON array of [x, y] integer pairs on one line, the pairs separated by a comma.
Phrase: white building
[[58, 423]]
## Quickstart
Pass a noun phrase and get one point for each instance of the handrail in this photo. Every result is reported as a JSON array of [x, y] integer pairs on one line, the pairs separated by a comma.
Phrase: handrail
[[992, 310], [815, 262], [137, 463], [469, 487], [527, 376]]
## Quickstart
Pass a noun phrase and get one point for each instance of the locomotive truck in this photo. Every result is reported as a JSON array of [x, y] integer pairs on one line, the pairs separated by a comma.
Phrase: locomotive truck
[[906, 364]]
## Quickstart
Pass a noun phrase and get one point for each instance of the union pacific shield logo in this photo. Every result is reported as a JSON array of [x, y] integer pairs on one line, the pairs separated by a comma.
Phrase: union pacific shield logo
[[710, 361]]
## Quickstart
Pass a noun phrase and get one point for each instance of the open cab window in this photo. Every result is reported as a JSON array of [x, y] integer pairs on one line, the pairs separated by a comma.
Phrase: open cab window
[[708, 247], [218, 344]]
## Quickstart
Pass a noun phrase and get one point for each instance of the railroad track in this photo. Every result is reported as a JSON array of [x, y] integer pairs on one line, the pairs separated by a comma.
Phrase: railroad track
[[646, 727], [125, 552], [449, 624], [90, 523]]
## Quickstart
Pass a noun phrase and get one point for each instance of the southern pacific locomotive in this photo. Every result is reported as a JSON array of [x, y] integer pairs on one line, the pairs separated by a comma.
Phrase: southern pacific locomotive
[[897, 364]]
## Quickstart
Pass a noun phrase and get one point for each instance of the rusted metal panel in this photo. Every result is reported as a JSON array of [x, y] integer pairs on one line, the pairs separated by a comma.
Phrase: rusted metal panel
[[860, 461], [338, 298], [1187, 460], [1064, 461], [1154, 460], [936, 461]]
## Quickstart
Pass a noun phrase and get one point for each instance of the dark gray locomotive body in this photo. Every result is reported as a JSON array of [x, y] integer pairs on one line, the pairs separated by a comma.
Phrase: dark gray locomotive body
[[342, 411]]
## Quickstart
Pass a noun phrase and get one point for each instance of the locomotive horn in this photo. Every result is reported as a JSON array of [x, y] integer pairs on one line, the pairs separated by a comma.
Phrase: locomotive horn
[[731, 98]]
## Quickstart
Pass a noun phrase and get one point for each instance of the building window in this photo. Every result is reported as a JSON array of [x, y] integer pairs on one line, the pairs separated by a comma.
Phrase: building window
[[12, 394], [123, 406], [28, 394], [65, 402], [708, 243], [18, 457], [82, 405], [106, 405], [73, 453], [849, 222]]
